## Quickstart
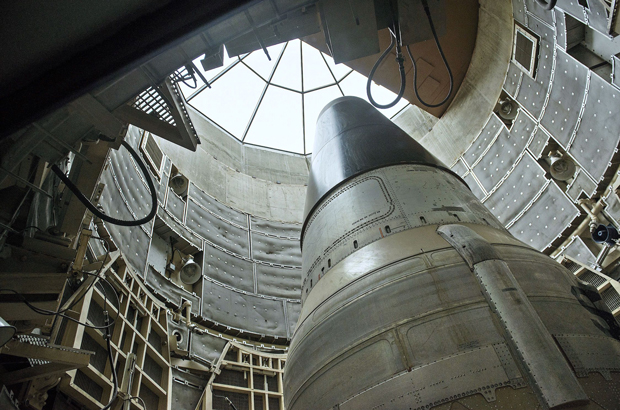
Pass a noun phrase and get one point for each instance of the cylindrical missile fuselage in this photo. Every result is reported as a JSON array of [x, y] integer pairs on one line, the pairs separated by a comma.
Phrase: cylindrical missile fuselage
[[415, 296]]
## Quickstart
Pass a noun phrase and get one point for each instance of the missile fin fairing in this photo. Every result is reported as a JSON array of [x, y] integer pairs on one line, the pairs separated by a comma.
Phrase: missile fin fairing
[[416, 297]]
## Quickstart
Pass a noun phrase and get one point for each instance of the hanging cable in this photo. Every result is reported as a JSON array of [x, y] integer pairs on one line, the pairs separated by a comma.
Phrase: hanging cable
[[394, 41], [80, 196], [230, 403], [443, 57], [547, 5], [138, 398], [108, 338]]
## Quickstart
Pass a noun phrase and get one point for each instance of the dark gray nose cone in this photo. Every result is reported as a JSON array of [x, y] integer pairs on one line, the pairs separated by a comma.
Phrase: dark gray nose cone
[[353, 137]]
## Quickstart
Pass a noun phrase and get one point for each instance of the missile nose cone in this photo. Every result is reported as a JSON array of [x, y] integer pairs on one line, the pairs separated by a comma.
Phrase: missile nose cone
[[353, 137]]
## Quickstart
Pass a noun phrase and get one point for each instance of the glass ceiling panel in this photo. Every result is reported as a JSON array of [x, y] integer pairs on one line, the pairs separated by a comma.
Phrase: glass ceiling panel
[[288, 73], [316, 72], [231, 100], [338, 70], [258, 62], [278, 121], [313, 104], [247, 100]]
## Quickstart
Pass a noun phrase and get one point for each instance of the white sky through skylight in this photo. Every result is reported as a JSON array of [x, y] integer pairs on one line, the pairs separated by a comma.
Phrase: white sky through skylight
[[276, 103]]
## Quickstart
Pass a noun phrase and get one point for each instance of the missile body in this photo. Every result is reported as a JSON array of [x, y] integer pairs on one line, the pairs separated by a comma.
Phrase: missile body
[[415, 296]]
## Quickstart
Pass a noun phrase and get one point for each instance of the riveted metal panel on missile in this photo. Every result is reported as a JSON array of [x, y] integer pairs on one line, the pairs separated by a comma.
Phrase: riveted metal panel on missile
[[415, 296]]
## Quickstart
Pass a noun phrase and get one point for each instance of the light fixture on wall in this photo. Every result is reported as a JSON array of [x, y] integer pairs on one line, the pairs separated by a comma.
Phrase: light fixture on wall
[[179, 183], [190, 272], [561, 167], [507, 109]]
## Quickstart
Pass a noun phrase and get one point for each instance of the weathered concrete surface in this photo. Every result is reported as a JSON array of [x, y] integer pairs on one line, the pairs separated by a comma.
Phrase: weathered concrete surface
[[415, 122], [480, 90], [260, 197], [261, 163]]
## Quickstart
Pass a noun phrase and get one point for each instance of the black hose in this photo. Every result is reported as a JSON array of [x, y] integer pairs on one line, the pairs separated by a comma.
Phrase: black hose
[[443, 57], [114, 377], [401, 67], [100, 214], [547, 5]]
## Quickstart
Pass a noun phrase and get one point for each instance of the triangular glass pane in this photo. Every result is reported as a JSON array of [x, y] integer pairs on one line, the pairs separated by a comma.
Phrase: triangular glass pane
[[288, 73], [258, 61], [355, 84], [338, 70], [231, 100], [313, 104], [316, 73], [278, 122]]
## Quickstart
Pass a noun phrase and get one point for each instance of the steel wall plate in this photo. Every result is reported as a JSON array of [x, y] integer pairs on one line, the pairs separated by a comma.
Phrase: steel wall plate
[[475, 186], [180, 332], [132, 189], [275, 228], [539, 142], [246, 312], [520, 188], [579, 251], [533, 91], [514, 77], [518, 11], [535, 10], [546, 219], [560, 29], [205, 347], [612, 210], [228, 269], [582, 184], [132, 242], [166, 225], [159, 252], [279, 251], [459, 167], [176, 206], [598, 19], [574, 8], [566, 98], [597, 137], [216, 230], [278, 282], [615, 70], [499, 159], [220, 210], [293, 310], [187, 389], [126, 167], [170, 292], [486, 137]]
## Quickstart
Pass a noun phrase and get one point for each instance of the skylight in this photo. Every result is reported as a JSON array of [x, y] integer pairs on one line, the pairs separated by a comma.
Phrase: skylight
[[276, 103]]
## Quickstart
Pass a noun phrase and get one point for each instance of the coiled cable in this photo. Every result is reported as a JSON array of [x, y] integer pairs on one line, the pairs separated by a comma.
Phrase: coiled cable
[[394, 41], [80, 196]]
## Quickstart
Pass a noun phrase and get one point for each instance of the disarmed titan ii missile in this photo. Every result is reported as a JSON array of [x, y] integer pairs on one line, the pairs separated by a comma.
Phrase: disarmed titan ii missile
[[416, 297]]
